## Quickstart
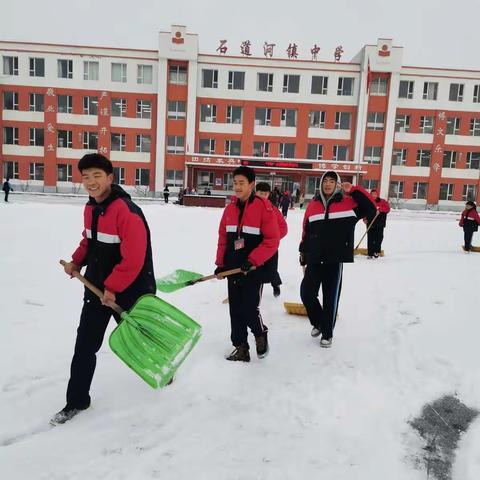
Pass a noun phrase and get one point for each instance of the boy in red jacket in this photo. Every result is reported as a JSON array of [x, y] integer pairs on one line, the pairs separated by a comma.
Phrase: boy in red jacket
[[470, 220], [375, 233], [248, 238], [263, 191]]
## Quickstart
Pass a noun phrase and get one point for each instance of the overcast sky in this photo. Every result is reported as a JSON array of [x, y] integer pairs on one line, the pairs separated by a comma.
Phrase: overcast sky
[[437, 33]]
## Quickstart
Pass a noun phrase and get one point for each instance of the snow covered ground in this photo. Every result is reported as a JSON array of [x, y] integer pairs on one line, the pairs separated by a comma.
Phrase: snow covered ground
[[407, 334]]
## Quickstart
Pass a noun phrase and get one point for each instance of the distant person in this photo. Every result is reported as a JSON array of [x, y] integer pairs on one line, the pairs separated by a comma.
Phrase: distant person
[[470, 220], [285, 204], [375, 233], [6, 188], [166, 193]]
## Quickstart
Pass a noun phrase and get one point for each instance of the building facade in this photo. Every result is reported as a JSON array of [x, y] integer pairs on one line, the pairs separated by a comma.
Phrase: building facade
[[175, 116]]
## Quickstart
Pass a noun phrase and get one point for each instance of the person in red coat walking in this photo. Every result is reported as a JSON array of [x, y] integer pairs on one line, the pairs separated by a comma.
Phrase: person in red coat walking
[[263, 190], [248, 238], [375, 233], [470, 220]]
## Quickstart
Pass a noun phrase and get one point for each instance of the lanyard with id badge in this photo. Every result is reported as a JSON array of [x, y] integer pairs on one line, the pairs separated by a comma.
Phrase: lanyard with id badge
[[240, 241]]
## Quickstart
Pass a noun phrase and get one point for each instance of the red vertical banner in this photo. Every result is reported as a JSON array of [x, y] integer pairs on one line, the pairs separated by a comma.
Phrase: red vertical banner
[[104, 124], [440, 127], [50, 138]]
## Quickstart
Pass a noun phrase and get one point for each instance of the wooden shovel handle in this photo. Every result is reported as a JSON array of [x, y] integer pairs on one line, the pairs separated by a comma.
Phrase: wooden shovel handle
[[93, 288], [368, 228], [220, 275]]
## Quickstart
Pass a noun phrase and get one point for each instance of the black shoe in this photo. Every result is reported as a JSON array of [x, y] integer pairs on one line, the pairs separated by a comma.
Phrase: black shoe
[[376, 255], [262, 344], [240, 354], [66, 414], [276, 291]]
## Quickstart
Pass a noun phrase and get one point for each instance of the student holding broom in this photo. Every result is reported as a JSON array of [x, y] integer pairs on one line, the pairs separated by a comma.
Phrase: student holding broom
[[248, 238], [116, 250], [377, 225], [327, 243]]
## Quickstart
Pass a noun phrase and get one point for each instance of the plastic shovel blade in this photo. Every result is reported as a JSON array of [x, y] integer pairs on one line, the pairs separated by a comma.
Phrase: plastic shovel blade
[[176, 280], [153, 339]]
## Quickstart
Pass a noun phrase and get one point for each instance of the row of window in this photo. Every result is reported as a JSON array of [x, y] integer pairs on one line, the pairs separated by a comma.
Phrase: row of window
[[90, 69], [420, 190], [118, 106], [424, 157], [402, 124], [430, 91]]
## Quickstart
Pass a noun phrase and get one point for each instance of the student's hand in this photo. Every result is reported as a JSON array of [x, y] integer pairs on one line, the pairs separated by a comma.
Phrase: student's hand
[[347, 187], [246, 266], [108, 298], [301, 259], [219, 270], [365, 221], [71, 267]]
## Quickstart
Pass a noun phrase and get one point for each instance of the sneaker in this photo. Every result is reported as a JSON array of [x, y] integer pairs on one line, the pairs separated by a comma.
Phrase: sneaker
[[262, 345], [240, 354], [65, 415], [326, 343], [376, 255], [276, 291], [315, 332]]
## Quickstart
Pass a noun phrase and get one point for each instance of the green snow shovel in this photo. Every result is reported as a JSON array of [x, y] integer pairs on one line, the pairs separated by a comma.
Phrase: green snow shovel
[[183, 278], [153, 338]]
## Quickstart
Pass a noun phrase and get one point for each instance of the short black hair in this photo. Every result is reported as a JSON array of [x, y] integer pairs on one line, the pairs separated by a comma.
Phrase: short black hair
[[95, 160], [263, 187], [247, 172]]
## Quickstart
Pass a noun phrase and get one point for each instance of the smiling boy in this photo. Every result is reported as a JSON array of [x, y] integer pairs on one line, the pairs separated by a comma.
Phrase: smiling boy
[[116, 250]]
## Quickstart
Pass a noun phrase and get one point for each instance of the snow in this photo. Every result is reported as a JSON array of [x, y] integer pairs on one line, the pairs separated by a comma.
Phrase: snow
[[407, 334]]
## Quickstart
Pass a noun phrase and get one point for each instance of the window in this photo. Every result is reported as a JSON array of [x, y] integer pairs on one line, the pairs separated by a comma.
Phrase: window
[[402, 123], [396, 190], [423, 158], [118, 107], [36, 137], [143, 143], [345, 86], [205, 179], [117, 142], [263, 116], [340, 152], [476, 94], [342, 120], [406, 89], [453, 125], [319, 85], [64, 68], [265, 82], [90, 70], [473, 160], [426, 124], [316, 119], [64, 103], [209, 78], [469, 193], [456, 92], [475, 127], [177, 75], [372, 154], [10, 170], [430, 90], [10, 135], [10, 65], [313, 185], [176, 110], [291, 83], [420, 190], [208, 113], [446, 191], [232, 147], [37, 67], [379, 86], [36, 171], [207, 145], [314, 151], [145, 74], [142, 177], [119, 175], [375, 121], [288, 118], [90, 140], [90, 105], [175, 145], [175, 178], [10, 100], [399, 156], [236, 80], [449, 159], [64, 138], [261, 149], [64, 172], [228, 181], [234, 114], [287, 150], [119, 72], [36, 102], [370, 184], [144, 109]]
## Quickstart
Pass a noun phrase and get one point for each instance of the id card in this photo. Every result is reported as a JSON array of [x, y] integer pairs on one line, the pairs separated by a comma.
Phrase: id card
[[239, 243]]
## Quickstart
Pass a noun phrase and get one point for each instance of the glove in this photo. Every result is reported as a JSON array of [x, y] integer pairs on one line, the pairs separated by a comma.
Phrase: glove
[[302, 260], [219, 270], [246, 266]]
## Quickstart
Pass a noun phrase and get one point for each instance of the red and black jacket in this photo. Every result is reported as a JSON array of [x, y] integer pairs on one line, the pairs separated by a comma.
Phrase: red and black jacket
[[256, 223], [329, 226], [383, 208], [116, 248], [470, 220]]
